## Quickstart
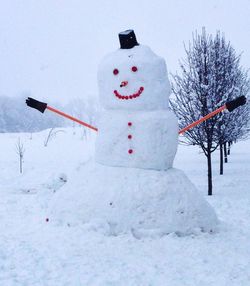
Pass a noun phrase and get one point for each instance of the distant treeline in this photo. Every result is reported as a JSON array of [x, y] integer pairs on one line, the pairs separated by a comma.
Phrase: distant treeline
[[15, 116]]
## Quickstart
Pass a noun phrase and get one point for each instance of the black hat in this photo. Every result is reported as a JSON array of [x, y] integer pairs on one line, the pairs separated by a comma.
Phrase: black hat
[[128, 39]]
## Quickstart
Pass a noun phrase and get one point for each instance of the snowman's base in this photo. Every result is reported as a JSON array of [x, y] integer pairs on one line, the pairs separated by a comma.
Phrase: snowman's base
[[143, 202]]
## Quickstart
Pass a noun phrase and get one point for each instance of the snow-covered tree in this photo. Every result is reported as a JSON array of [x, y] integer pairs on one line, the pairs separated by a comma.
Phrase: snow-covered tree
[[211, 75]]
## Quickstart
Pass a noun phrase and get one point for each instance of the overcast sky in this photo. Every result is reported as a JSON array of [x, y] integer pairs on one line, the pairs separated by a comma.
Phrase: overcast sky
[[52, 48]]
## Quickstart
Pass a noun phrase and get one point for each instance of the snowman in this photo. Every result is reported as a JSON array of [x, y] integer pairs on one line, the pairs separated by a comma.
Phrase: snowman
[[138, 133], [131, 186]]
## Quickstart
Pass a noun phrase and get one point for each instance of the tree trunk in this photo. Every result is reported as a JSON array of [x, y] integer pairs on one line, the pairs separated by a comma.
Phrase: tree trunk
[[221, 159], [225, 152], [209, 173], [229, 147], [21, 164]]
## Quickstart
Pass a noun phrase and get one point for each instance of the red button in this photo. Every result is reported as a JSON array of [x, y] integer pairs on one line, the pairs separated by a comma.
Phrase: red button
[[130, 151], [129, 123], [129, 136]]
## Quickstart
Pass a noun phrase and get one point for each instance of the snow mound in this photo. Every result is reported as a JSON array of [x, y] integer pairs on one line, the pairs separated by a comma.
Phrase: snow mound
[[122, 200]]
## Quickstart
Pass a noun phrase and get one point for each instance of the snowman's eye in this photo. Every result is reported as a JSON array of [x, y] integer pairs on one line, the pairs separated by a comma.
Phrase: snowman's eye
[[134, 69], [115, 71]]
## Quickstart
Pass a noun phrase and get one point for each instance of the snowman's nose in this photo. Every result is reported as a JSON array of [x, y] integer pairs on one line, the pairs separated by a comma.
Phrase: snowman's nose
[[123, 83]]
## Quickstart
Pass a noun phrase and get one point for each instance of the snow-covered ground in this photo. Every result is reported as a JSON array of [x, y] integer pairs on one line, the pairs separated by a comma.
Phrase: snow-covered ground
[[38, 252]]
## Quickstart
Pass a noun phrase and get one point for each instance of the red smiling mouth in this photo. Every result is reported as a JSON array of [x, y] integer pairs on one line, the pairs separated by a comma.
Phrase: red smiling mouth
[[132, 96]]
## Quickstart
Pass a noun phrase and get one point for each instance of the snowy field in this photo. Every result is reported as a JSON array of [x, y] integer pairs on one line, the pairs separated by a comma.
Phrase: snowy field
[[39, 252]]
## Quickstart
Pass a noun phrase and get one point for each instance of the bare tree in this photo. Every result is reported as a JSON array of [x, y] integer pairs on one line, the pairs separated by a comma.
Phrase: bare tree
[[52, 133], [211, 75], [20, 152]]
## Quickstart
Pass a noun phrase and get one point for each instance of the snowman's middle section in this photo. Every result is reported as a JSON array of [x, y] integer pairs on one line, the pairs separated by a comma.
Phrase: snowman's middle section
[[137, 139]]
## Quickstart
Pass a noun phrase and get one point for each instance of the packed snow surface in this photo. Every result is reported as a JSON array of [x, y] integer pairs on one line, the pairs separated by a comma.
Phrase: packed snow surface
[[37, 249]]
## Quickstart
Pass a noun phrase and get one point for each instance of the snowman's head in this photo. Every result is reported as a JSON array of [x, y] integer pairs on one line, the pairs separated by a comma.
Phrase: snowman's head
[[133, 78]]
